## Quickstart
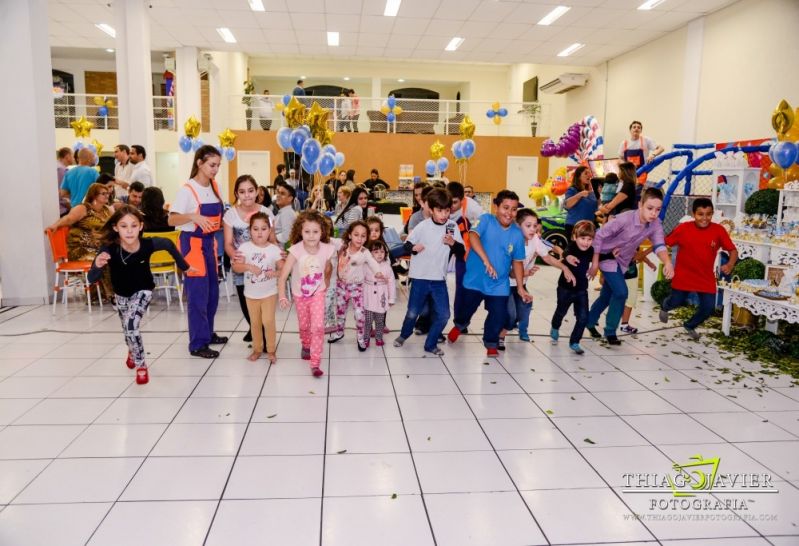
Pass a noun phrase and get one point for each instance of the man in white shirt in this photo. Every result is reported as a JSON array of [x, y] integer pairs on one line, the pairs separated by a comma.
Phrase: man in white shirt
[[123, 170], [292, 180], [141, 170], [262, 110]]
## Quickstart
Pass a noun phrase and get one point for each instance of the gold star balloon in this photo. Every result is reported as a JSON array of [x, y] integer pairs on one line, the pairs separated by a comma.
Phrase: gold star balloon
[[192, 127], [227, 138], [436, 150], [467, 127], [295, 113], [316, 118], [98, 145], [326, 138], [82, 127], [782, 119]]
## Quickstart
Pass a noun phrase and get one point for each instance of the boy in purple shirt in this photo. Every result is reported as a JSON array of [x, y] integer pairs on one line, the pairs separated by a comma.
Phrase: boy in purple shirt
[[615, 246]]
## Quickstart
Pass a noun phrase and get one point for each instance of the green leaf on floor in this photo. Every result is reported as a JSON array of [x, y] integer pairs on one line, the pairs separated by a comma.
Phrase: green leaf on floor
[[550, 412]]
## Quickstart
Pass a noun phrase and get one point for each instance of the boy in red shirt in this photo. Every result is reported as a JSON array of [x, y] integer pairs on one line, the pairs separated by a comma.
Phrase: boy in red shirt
[[699, 242]]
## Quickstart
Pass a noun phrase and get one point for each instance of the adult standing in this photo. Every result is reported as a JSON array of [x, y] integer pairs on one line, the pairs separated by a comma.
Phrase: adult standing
[[263, 110], [123, 170], [639, 149], [355, 110], [580, 203], [197, 212], [299, 89], [344, 108], [141, 170], [625, 199], [78, 179], [64, 160]]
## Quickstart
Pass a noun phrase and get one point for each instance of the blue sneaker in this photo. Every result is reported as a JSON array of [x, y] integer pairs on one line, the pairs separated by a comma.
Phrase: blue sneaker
[[554, 335], [576, 348], [524, 337]]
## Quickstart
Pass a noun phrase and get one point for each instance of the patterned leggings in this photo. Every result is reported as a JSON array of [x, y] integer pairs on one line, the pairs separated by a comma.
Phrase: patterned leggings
[[379, 320], [130, 312], [346, 292], [311, 319]]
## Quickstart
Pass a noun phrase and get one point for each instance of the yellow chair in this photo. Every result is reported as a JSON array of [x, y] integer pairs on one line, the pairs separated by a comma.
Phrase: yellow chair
[[163, 265]]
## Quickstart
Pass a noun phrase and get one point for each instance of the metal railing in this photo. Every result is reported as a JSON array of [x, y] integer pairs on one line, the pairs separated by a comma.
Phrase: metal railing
[[103, 112], [418, 116]]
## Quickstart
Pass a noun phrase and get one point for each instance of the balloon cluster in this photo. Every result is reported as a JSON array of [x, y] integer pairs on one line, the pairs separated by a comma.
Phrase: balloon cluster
[[390, 109], [315, 156], [437, 163], [785, 153], [226, 140], [463, 150], [496, 113], [104, 103], [556, 185], [95, 147], [190, 141], [581, 141], [83, 129]]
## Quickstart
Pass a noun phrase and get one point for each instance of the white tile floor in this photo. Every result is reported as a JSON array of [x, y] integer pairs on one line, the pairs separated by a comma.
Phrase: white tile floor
[[389, 447]]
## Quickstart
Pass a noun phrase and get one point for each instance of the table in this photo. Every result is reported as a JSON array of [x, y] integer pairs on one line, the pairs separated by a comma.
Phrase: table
[[774, 310], [776, 254]]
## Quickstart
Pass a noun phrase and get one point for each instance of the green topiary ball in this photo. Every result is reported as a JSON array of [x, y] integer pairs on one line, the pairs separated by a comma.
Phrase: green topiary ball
[[660, 291], [749, 268], [763, 202]]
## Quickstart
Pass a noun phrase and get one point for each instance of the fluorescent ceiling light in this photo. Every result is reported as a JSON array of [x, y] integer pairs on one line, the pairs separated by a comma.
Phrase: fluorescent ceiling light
[[649, 4], [302, 77], [256, 5], [401, 80], [226, 35], [110, 50], [553, 15], [392, 8], [571, 49], [332, 39], [454, 44], [108, 29], [346, 78]]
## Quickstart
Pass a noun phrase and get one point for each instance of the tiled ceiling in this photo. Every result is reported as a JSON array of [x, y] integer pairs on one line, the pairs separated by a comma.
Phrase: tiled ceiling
[[495, 31]]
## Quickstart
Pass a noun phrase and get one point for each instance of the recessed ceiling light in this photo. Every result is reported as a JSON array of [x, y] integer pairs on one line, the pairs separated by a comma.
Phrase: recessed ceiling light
[[649, 4], [332, 39], [302, 77], [571, 49], [401, 80], [392, 8], [346, 78], [226, 35], [110, 50], [256, 5], [454, 44], [108, 29], [553, 15]]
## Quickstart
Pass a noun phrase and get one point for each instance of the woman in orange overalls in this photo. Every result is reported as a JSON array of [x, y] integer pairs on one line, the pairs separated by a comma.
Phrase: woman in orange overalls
[[197, 213]]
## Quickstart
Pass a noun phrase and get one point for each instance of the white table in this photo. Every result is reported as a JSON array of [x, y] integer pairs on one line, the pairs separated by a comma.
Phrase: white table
[[774, 310]]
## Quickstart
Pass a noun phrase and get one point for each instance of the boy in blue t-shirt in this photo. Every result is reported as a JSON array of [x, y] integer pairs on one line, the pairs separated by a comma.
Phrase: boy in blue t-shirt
[[488, 269]]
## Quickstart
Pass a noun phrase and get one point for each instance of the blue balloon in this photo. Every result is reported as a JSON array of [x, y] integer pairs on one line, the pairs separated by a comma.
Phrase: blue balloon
[[284, 138], [339, 159], [490, 114], [92, 148], [457, 149], [784, 154], [221, 150], [391, 117], [196, 144], [468, 148], [430, 167], [443, 164], [298, 138], [392, 102], [306, 130], [329, 149], [286, 100], [78, 145], [230, 153], [326, 164], [309, 166], [311, 149], [103, 111], [502, 112]]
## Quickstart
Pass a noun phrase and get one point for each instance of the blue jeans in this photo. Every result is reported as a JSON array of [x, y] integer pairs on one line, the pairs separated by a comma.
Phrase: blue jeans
[[611, 297], [567, 297], [460, 271], [421, 289], [518, 313], [707, 303], [497, 307]]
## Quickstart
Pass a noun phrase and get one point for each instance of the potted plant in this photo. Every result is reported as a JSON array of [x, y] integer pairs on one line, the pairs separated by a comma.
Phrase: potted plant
[[532, 110], [249, 90]]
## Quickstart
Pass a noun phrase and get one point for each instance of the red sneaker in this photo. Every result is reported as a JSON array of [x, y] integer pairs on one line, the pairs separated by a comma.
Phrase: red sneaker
[[380, 342], [386, 330], [492, 352], [317, 371], [454, 334], [141, 375], [129, 362]]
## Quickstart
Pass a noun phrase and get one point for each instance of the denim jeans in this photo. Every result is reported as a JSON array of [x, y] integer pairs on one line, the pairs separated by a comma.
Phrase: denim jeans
[[611, 297], [460, 271], [518, 312], [567, 297], [707, 303], [497, 307], [439, 299]]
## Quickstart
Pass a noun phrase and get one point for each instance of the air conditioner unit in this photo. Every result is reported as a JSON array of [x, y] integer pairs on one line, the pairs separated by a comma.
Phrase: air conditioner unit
[[564, 82]]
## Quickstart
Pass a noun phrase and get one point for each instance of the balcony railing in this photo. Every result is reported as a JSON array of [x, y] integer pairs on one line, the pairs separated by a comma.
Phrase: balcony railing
[[102, 110]]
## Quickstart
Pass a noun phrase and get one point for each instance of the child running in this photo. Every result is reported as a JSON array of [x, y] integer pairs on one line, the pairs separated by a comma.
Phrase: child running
[[578, 258], [308, 262], [519, 309], [378, 294], [260, 266], [128, 257], [353, 258]]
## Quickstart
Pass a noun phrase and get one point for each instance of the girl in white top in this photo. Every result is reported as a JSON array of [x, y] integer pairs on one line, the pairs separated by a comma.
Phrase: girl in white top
[[236, 225], [349, 287], [260, 260], [379, 294]]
